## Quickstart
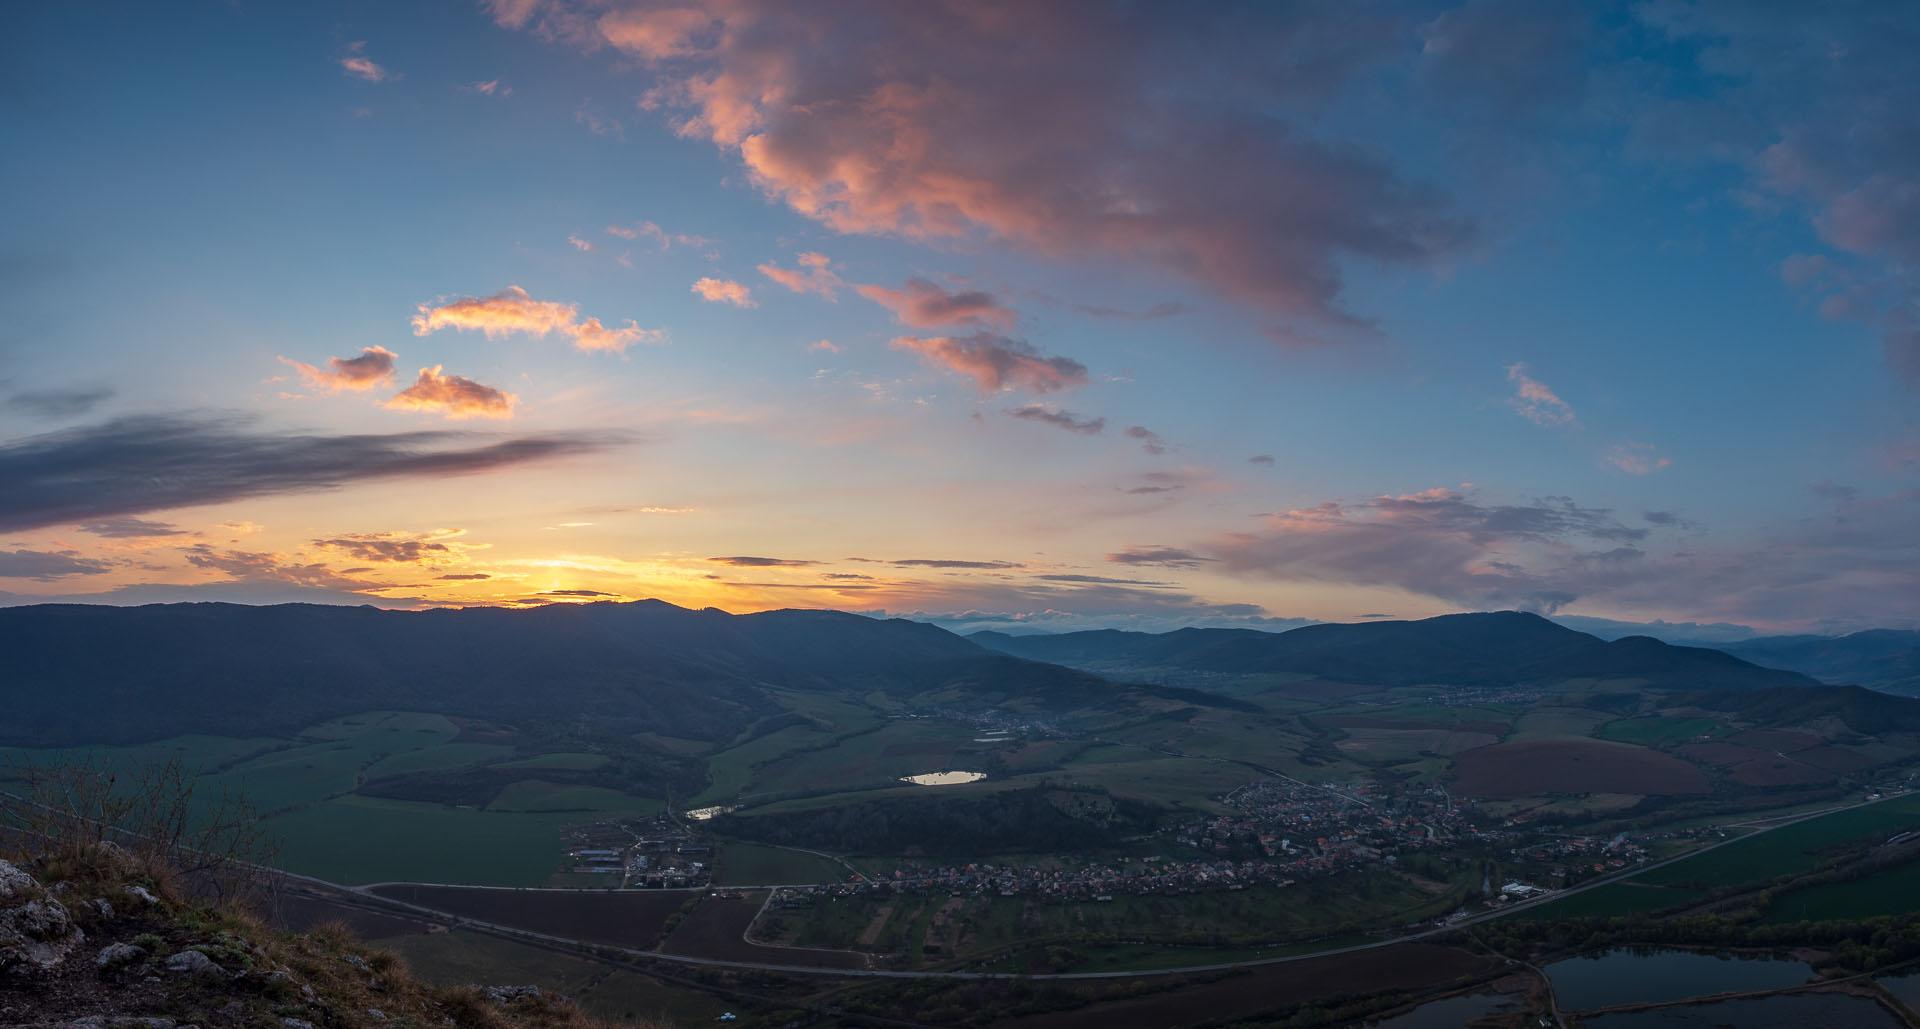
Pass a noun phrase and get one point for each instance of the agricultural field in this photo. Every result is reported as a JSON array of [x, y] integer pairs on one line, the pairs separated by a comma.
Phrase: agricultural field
[[623, 918], [750, 864], [1659, 731], [1572, 766], [461, 957], [1791, 849], [1890, 891], [716, 929]]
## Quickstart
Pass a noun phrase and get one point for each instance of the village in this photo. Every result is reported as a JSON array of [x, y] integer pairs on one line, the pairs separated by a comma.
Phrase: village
[[1282, 832], [657, 853]]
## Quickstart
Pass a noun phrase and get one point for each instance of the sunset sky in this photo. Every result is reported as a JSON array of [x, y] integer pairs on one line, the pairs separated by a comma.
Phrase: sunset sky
[[1030, 316]]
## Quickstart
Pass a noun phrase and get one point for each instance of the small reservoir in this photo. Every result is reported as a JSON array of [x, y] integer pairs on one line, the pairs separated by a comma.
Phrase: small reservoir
[[943, 778]]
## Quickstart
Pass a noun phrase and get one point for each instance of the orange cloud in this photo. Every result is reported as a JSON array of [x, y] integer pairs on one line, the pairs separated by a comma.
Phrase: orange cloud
[[997, 363], [815, 275], [453, 396], [1040, 126], [374, 367], [924, 305], [824, 346], [723, 291], [512, 310]]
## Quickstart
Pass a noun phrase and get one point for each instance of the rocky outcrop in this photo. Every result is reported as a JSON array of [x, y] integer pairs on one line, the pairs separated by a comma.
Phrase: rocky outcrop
[[36, 933]]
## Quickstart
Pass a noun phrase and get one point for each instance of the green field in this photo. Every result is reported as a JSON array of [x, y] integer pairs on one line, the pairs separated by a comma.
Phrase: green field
[[357, 840], [571, 762], [1893, 891], [589, 803], [1655, 730], [1619, 898], [750, 864], [1790, 849]]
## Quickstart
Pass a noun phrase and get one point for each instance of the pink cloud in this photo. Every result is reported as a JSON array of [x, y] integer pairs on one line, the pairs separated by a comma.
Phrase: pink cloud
[[512, 310], [491, 87], [453, 396], [1537, 403], [374, 367], [664, 239], [997, 363], [825, 346], [814, 276], [724, 291], [924, 305], [580, 244], [358, 65], [1637, 458], [1040, 126]]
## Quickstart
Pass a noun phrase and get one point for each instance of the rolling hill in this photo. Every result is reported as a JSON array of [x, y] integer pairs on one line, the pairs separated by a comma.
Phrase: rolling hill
[[1487, 649]]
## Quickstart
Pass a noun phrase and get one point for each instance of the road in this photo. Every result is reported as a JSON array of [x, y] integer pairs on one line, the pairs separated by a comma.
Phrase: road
[[1414, 937]]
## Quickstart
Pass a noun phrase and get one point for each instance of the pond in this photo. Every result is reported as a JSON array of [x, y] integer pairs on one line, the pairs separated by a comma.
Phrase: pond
[[701, 814], [1640, 975], [943, 778]]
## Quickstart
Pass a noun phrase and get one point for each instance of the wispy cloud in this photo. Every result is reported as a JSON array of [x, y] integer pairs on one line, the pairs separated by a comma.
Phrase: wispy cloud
[[580, 244], [490, 87], [374, 367], [59, 403], [1536, 402], [360, 66], [815, 275], [453, 396], [762, 562], [512, 310], [1165, 557], [1059, 419], [924, 305], [132, 466], [48, 565], [1637, 458], [724, 291], [1150, 441], [130, 528], [997, 363]]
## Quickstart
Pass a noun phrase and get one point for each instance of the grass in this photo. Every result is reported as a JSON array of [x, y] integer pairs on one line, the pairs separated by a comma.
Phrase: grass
[[1892, 891], [534, 795], [433, 759], [461, 956], [731, 771], [1791, 849], [361, 840], [565, 761], [1621, 898], [1657, 730], [750, 864]]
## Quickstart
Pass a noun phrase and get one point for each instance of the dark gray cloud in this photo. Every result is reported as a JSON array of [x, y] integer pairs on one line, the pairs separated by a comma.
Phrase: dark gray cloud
[[47, 566], [762, 562], [927, 562], [135, 465], [1165, 557], [1102, 580], [587, 594], [1538, 556], [130, 528], [59, 403], [388, 546], [465, 577], [1261, 459], [1061, 419]]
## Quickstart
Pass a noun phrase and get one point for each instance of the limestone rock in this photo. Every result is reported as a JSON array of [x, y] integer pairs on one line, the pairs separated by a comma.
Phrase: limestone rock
[[193, 961], [114, 955]]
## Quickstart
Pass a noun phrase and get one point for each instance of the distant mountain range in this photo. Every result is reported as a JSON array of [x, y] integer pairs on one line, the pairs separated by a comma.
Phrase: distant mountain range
[[1498, 648], [86, 674], [1883, 659]]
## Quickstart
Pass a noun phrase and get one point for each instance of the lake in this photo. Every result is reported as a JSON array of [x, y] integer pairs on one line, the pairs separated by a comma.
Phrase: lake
[[1645, 975]]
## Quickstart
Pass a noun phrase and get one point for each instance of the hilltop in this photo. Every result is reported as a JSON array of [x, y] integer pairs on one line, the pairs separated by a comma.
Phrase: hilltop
[[92, 939], [1482, 649]]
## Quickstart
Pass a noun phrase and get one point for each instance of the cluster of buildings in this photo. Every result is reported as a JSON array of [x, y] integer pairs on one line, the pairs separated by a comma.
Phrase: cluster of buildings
[[653, 853]]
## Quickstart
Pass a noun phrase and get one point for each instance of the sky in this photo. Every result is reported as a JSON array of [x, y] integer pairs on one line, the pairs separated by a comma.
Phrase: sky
[[1031, 317]]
